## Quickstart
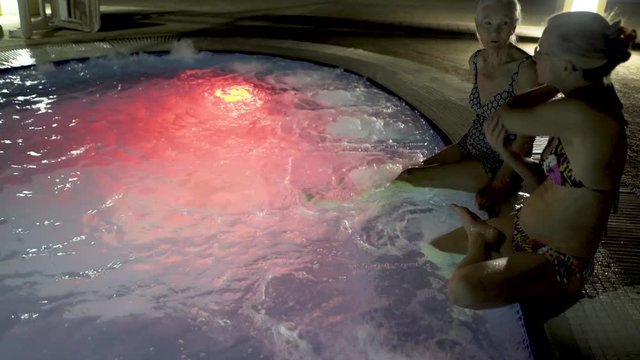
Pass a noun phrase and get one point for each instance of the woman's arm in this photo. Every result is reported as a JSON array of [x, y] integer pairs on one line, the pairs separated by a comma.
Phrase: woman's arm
[[529, 170], [507, 177], [514, 156], [507, 181], [535, 96], [472, 66], [527, 77], [504, 185], [529, 92], [564, 118]]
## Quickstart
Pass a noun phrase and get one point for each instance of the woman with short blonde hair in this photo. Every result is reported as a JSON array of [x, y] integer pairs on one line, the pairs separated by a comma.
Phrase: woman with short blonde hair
[[546, 249], [500, 70]]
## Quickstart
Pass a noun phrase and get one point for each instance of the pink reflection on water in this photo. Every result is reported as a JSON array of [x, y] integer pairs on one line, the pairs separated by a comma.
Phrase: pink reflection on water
[[206, 180]]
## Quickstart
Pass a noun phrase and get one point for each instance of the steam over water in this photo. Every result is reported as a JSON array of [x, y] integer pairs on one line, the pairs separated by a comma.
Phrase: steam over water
[[221, 206]]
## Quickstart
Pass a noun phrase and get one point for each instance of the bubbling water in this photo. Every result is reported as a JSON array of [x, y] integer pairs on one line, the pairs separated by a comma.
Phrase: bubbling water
[[221, 206]]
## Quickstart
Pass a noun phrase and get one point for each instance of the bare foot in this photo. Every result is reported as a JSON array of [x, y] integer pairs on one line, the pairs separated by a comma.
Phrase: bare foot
[[478, 229]]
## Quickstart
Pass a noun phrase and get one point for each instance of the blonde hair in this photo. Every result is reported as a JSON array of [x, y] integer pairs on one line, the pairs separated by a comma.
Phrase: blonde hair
[[514, 4], [591, 42]]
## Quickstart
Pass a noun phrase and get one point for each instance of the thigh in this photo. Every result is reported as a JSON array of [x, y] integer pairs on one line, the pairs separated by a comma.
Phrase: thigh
[[456, 240], [521, 277], [450, 154], [465, 175]]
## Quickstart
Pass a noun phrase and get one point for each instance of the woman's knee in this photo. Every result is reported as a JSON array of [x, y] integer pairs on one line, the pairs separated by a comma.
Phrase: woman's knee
[[440, 243], [420, 176], [454, 241], [463, 291]]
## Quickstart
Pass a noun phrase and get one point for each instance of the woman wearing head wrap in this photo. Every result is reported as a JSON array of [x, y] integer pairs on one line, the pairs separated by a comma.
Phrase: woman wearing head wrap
[[546, 249]]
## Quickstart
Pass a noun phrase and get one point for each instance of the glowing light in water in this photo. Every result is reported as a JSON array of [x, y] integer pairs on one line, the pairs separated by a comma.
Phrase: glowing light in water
[[234, 94], [229, 96], [237, 99]]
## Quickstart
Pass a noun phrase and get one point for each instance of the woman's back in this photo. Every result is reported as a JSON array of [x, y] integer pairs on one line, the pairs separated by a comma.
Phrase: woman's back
[[599, 154]]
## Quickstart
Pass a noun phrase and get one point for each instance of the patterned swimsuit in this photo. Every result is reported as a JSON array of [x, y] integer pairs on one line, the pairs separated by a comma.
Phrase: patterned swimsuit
[[474, 143], [558, 169]]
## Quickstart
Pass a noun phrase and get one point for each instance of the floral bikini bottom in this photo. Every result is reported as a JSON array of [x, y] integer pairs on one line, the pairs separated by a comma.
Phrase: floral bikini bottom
[[565, 265]]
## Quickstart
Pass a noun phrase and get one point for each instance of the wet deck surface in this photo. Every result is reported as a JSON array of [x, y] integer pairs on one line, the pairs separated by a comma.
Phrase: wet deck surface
[[622, 242]]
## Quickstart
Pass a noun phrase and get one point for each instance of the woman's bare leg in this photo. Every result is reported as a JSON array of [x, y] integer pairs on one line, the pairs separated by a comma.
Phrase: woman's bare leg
[[482, 238], [465, 175], [479, 282], [450, 154], [456, 241], [447, 169]]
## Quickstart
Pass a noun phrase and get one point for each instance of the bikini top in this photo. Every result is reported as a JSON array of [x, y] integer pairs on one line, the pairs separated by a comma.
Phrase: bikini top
[[485, 110], [557, 165], [558, 169]]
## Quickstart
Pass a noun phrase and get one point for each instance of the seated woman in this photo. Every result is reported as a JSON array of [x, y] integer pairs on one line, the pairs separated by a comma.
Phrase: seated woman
[[500, 70], [546, 249]]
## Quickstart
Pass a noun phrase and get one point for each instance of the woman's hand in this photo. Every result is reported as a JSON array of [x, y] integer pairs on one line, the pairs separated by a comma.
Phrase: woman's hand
[[497, 135], [489, 199]]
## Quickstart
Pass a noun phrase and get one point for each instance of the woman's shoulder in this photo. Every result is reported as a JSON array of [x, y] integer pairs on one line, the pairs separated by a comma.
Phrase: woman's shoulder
[[527, 76], [581, 117], [599, 101], [474, 56], [521, 54], [526, 71], [568, 107]]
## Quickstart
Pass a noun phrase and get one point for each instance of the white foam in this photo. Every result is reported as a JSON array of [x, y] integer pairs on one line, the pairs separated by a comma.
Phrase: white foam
[[363, 127], [183, 49], [373, 176], [336, 98]]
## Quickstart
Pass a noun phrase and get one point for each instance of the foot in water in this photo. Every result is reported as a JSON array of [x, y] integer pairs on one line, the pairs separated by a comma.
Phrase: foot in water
[[478, 229]]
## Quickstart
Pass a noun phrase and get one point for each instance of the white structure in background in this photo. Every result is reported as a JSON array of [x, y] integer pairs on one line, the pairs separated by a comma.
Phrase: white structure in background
[[81, 15], [8, 7], [585, 5]]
